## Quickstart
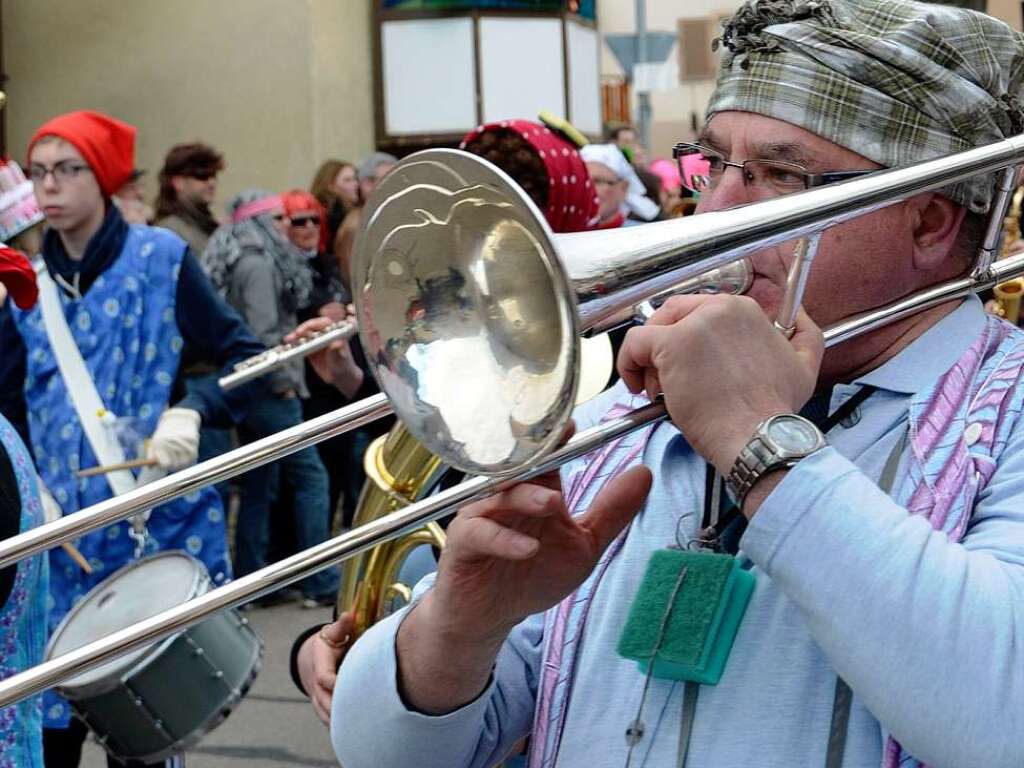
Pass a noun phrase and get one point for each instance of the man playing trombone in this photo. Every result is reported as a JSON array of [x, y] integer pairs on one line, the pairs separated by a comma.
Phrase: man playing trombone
[[884, 530]]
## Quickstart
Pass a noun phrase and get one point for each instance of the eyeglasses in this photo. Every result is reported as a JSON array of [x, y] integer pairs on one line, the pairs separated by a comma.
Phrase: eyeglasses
[[65, 170], [301, 221], [277, 216], [203, 175], [774, 177]]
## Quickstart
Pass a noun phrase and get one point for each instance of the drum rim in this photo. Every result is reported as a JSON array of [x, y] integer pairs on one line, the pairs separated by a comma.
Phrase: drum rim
[[109, 683]]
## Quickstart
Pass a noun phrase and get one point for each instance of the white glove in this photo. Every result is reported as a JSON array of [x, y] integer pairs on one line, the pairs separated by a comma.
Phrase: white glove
[[51, 509], [175, 442]]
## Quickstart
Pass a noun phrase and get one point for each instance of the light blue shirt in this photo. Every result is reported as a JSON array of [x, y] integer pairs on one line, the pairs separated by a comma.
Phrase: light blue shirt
[[929, 634]]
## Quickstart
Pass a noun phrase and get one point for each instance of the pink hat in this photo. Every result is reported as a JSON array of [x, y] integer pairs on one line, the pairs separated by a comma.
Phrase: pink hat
[[668, 172]]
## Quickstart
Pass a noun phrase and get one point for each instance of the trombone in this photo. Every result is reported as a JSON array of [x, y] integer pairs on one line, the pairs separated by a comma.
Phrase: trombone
[[649, 259]]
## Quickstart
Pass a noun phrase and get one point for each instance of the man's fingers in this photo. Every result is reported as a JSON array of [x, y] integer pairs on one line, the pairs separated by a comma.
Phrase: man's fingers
[[635, 357], [808, 341], [326, 681], [347, 621], [310, 326], [322, 706], [339, 631], [617, 504], [526, 499], [483, 537], [675, 308]]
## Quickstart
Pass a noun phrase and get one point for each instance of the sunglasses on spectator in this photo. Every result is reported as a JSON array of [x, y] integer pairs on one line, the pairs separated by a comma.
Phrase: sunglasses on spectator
[[203, 175], [301, 221]]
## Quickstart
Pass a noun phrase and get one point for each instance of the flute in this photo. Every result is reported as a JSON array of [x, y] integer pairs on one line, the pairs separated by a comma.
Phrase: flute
[[272, 359]]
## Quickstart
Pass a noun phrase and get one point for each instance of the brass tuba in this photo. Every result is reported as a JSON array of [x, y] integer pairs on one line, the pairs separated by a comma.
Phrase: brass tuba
[[399, 471], [1008, 294]]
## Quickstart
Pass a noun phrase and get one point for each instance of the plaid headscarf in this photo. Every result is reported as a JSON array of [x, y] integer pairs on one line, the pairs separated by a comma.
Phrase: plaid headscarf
[[895, 81]]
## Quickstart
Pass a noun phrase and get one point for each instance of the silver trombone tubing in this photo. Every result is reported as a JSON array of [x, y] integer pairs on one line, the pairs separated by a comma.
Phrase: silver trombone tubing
[[435, 300], [767, 223], [192, 478], [300, 565], [272, 359], [398, 523]]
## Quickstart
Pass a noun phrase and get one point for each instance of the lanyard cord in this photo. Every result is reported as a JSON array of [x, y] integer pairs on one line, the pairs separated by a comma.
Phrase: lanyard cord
[[713, 530]]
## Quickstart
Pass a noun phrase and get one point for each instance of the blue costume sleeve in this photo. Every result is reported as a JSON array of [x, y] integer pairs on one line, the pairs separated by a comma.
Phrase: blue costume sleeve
[[372, 728], [929, 633], [218, 333], [12, 374]]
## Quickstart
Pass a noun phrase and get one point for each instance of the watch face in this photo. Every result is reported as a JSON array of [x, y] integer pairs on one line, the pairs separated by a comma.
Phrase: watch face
[[794, 434]]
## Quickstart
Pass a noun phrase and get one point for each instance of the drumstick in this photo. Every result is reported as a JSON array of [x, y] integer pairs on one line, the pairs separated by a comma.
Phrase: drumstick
[[77, 556], [133, 464]]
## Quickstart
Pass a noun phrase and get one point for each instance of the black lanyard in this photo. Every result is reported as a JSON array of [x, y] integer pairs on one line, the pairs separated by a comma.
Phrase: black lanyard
[[722, 530]]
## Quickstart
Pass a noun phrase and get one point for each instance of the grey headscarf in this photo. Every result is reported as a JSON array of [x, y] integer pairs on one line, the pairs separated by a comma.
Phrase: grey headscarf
[[231, 241]]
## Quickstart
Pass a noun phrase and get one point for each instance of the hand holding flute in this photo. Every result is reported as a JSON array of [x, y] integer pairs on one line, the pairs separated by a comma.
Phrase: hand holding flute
[[333, 363], [308, 338]]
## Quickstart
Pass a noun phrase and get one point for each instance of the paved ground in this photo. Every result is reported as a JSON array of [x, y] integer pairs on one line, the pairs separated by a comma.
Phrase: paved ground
[[274, 726]]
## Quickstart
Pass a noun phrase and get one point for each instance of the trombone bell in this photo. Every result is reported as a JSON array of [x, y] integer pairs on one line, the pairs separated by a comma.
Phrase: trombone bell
[[465, 312]]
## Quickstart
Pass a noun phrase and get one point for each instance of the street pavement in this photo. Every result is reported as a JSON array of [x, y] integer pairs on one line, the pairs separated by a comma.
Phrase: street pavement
[[274, 726]]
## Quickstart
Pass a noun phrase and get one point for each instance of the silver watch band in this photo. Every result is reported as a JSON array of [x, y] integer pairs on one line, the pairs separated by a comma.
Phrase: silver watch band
[[763, 454], [754, 461]]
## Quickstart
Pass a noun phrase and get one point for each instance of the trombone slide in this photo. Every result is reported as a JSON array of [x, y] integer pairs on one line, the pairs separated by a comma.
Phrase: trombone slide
[[414, 516]]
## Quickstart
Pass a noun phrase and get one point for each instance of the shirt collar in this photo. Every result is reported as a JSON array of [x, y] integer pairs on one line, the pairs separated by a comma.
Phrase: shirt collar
[[931, 354]]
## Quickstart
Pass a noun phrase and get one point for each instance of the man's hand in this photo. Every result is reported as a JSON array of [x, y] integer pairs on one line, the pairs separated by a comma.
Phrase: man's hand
[[334, 364], [507, 557], [318, 661], [722, 367], [335, 311]]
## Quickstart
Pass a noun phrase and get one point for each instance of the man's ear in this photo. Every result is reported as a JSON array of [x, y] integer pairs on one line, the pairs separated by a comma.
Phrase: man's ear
[[936, 222], [178, 182]]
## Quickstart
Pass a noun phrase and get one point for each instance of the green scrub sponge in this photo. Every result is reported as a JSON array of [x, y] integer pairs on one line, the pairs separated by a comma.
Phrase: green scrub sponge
[[702, 627]]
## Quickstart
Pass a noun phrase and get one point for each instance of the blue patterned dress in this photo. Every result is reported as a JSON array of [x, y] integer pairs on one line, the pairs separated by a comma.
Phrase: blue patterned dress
[[23, 621], [126, 331]]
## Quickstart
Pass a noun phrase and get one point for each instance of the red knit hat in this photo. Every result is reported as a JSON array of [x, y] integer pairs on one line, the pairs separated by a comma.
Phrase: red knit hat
[[106, 144], [18, 277], [572, 201]]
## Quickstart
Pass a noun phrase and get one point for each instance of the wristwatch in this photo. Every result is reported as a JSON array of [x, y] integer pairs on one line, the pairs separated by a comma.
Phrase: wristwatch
[[779, 442]]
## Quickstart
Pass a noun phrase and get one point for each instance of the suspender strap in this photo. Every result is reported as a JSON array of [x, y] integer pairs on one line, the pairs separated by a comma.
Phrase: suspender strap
[[843, 699], [839, 727], [690, 694]]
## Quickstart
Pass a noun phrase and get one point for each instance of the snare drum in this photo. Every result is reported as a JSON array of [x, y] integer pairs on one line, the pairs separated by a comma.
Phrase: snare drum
[[161, 699]]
